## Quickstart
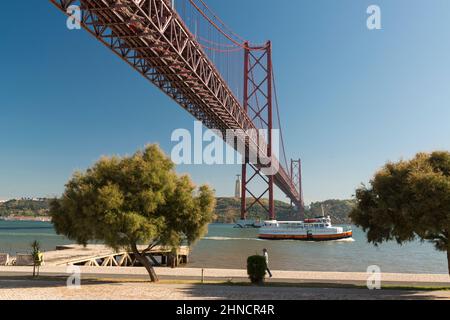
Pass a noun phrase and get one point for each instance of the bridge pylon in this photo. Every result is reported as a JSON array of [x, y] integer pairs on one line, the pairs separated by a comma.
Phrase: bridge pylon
[[258, 104], [296, 177], [182, 58]]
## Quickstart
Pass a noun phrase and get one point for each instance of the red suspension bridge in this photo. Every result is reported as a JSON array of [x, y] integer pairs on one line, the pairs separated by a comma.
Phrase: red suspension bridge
[[223, 80]]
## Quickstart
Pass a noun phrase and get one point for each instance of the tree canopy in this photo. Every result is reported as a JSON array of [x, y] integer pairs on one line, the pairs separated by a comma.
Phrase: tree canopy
[[408, 200], [133, 200]]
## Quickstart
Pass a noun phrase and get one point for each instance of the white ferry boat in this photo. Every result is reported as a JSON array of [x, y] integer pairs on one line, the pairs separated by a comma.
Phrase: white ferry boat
[[318, 229]]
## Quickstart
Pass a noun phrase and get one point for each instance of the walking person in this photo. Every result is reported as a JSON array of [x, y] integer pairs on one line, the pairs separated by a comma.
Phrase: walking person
[[266, 256]]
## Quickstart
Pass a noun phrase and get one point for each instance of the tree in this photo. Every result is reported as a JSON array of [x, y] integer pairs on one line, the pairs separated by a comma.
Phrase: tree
[[131, 201], [408, 200]]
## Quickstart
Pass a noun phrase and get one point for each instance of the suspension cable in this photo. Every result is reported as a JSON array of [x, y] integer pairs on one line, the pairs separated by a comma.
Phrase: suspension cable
[[279, 118], [215, 25], [217, 43], [243, 45], [221, 22]]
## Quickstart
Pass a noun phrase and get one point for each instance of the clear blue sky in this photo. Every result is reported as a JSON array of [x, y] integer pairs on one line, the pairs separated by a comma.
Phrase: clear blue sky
[[351, 98]]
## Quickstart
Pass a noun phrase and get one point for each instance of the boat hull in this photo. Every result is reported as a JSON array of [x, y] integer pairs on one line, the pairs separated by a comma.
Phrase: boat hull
[[304, 237]]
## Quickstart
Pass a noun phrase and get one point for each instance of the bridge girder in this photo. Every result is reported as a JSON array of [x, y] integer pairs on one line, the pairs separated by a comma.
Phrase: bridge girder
[[152, 38]]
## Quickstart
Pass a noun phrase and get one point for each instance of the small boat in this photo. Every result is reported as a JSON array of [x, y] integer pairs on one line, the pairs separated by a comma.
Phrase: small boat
[[248, 224], [317, 229]]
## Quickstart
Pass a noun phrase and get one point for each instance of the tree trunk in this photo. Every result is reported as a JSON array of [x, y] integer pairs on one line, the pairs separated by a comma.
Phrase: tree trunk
[[146, 263], [448, 258]]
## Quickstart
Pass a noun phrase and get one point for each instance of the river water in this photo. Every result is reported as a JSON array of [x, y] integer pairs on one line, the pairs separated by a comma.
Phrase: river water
[[227, 247]]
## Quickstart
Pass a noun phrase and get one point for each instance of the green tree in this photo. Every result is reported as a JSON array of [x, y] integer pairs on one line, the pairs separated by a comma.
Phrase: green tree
[[131, 201], [408, 200]]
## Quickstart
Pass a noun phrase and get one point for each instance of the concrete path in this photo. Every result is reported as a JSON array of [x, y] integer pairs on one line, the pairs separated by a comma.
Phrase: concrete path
[[55, 290], [236, 275]]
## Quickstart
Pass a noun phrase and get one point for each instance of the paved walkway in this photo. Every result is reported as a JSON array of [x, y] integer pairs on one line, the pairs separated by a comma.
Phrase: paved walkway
[[237, 275], [13, 286], [221, 274], [56, 290]]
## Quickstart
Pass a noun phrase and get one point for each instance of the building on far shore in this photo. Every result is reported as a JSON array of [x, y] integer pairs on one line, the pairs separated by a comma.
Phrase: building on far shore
[[237, 189], [27, 218]]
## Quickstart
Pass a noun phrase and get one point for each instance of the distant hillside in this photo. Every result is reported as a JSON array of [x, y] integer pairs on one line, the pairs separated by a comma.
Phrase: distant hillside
[[339, 210], [227, 210], [25, 207]]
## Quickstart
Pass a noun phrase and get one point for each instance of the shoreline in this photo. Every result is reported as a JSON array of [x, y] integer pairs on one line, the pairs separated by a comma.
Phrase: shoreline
[[228, 248], [26, 218]]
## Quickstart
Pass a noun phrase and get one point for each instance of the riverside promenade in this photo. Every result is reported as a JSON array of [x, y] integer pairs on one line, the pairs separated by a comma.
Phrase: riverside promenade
[[234, 275], [109, 290], [118, 283]]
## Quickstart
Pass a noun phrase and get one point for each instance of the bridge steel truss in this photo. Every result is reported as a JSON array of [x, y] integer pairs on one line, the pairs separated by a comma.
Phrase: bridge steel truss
[[152, 38], [296, 177], [258, 104]]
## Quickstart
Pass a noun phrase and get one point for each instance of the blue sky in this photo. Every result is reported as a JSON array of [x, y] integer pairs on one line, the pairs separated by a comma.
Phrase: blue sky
[[351, 98]]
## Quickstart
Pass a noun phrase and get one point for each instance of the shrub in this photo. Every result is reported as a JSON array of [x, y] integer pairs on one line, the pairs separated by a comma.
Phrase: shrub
[[256, 269]]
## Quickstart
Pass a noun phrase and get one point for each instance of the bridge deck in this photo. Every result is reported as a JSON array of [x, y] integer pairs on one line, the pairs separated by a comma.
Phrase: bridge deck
[[152, 38]]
